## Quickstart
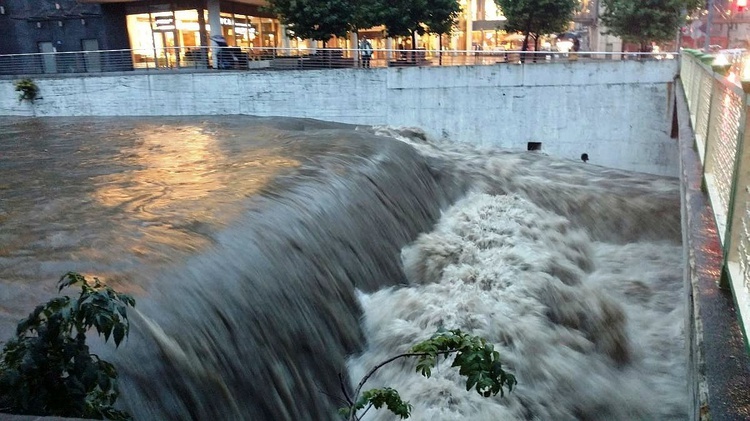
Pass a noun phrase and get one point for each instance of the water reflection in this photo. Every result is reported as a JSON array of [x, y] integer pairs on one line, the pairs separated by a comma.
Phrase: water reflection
[[114, 195], [178, 180]]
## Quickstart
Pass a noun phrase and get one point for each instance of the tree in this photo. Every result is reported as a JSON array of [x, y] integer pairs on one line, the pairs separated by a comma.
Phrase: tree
[[475, 358], [47, 369], [537, 17], [404, 18], [644, 21], [365, 14], [442, 18], [317, 19]]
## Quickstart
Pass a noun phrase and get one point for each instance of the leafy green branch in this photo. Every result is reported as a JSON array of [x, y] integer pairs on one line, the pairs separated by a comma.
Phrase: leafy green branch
[[47, 369], [475, 358]]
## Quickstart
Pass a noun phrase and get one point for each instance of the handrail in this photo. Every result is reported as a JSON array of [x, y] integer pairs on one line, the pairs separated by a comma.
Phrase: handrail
[[259, 58], [719, 113]]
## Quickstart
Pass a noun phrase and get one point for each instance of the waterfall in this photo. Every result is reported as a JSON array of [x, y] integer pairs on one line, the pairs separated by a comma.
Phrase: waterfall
[[275, 260]]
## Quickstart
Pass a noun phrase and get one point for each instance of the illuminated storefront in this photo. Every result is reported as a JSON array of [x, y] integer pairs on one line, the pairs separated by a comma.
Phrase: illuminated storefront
[[480, 27], [485, 22], [171, 35], [481, 19], [177, 32]]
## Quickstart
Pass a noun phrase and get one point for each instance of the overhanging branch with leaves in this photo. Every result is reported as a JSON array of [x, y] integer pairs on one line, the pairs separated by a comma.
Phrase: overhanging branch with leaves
[[476, 359]]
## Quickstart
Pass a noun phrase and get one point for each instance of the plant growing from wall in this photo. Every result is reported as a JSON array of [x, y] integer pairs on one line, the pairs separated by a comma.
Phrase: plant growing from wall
[[475, 358], [47, 369], [28, 90]]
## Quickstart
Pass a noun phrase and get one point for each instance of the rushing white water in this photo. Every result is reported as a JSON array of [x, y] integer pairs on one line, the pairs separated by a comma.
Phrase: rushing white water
[[256, 246], [591, 329]]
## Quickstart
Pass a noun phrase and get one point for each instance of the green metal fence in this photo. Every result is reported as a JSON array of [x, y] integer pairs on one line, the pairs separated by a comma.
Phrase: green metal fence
[[719, 116]]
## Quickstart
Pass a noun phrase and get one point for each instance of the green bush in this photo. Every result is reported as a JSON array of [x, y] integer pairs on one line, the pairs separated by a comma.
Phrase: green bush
[[476, 359], [47, 369], [29, 91]]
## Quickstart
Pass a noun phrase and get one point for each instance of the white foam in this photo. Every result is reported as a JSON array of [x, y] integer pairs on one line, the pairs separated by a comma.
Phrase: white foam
[[592, 331]]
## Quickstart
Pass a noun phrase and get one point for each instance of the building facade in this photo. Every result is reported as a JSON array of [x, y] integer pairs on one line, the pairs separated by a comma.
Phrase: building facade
[[178, 33], [34, 26], [160, 32], [729, 26], [171, 33]]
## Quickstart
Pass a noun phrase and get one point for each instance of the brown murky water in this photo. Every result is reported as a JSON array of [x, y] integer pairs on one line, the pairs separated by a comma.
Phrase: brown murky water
[[116, 196], [268, 255]]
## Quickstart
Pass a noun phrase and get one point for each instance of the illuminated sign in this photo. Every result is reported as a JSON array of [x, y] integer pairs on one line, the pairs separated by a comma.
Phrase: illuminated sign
[[164, 23], [243, 31], [188, 26]]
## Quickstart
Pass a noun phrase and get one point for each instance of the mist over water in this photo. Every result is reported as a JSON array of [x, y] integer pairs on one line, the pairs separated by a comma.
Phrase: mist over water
[[269, 255]]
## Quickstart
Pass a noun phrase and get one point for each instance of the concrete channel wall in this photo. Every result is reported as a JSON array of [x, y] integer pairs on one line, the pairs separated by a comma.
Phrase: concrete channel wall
[[615, 111], [719, 368]]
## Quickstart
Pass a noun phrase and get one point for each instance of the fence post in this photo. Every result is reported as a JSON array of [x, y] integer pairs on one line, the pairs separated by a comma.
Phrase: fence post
[[695, 88], [703, 115], [695, 84], [688, 84], [714, 112]]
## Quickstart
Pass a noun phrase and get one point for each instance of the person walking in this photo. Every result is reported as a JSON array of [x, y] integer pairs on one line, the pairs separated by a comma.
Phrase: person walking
[[366, 51]]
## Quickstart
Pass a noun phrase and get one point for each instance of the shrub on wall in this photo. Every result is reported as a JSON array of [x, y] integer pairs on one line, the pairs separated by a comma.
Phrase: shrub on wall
[[28, 90]]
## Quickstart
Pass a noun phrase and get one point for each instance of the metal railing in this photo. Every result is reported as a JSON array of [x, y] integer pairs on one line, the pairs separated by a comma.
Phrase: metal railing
[[236, 58], [719, 115]]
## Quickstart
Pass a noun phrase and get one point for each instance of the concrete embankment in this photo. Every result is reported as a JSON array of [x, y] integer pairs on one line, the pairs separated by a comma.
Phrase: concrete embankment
[[617, 112]]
